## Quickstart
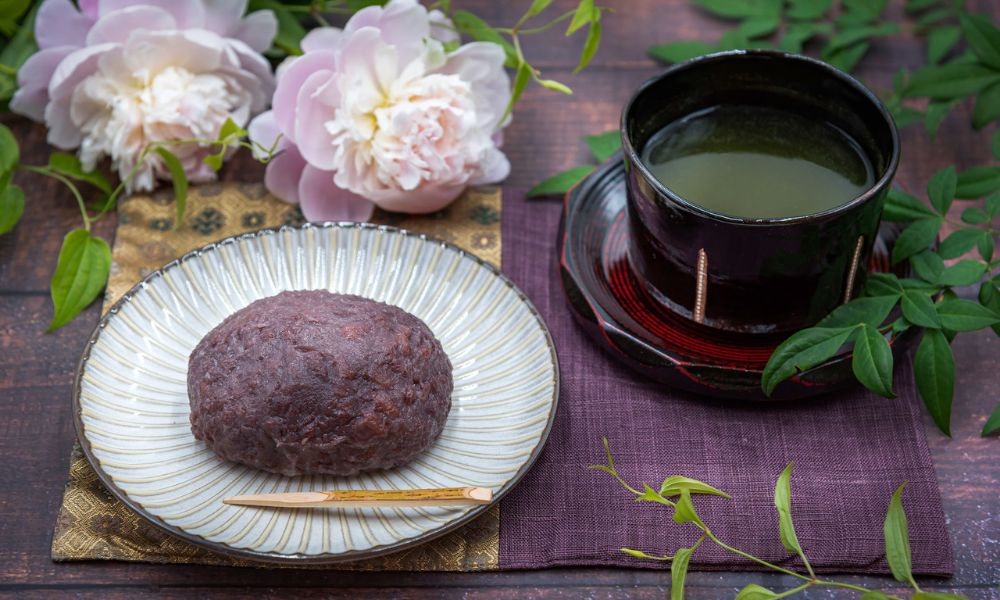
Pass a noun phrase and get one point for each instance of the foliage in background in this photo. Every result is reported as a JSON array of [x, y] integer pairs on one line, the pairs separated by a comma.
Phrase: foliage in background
[[84, 259], [963, 64], [676, 492]]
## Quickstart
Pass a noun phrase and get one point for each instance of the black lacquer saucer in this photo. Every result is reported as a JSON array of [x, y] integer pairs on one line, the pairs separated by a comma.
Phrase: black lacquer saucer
[[610, 301]]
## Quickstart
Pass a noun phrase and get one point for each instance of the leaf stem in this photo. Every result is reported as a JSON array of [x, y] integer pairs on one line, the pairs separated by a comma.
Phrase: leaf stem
[[72, 188], [759, 561], [533, 30]]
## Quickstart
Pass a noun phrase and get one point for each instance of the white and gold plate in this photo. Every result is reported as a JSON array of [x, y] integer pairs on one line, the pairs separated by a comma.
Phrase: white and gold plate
[[131, 402]]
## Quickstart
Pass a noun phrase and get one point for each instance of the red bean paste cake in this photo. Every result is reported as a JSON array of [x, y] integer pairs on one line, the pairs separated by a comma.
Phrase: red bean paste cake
[[319, 383]]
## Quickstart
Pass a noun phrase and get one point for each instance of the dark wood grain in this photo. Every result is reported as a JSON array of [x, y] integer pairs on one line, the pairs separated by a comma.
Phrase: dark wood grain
[[36, 369]]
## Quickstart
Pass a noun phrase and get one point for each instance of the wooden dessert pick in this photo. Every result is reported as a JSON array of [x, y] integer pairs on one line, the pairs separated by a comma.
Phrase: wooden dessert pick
[[462, 496]]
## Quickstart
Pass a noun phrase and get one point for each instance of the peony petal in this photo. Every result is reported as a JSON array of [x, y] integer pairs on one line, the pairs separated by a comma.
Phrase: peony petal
[[292, 78], [257, 30], [284, 173], [493, 168], [401, 23], [188, 13], [89, 8], [481, 64], [423, 200], [223, 16], [196, 50], [33, 81], [321, 200], [258, 66], [63, 133], [442, 28], [74, 68], [323, 38], [264, 131], [59, 23], [317, 103], [115, 27]]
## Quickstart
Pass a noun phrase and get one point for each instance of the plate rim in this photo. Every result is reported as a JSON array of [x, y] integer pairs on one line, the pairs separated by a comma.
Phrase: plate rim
[[328, 558]]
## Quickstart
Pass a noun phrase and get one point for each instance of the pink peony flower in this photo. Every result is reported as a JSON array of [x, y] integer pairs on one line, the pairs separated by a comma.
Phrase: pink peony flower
[[380, 114], [115, 75]]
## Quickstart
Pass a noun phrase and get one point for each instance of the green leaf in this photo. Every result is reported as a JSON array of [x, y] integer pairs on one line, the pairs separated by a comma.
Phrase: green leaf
[[919, 5], [650, 495], [860, 11], [673, 485], [928, 265], [583, 15], [931, 17], [897, 539], [69, 165], [950, 81], [940, 41], [11, 207], [14, 54], [964, 272], [797, 34], [536, 8], [214, 161], [757, 27], [803, 350], [985, 246], [974, 216], [870, 310], [740, 9], [987, 107], [479, 30], [964, 315], [941, 189], [230, 128], [684, 510], [847, 58], [604, 145], [915, 238], [854, 34], [590, 46], [10, 152], [992, 204], [919, 310], [882, 284], [989, 296], [560, 183], [960, 241], [521, 79], [783, 502], [679, 51], [934, 368], [555, 86], [983, 37], [993, 423], [179, 178], [81, 274], [995, 144], [678, 572], [808, 10], [900, 206], [977, 182], [935, 115], [290, 31], [872, 361], [755, 592], [639, 554]]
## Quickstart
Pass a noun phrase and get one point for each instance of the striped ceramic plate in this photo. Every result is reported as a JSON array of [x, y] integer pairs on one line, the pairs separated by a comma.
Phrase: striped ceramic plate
[[132, 405]]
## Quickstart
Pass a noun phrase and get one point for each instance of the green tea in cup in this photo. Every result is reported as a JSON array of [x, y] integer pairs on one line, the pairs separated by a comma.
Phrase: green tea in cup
[[759, 162]]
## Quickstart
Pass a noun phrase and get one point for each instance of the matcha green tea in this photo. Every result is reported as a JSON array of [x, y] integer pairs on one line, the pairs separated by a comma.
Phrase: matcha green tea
[[751, 161]]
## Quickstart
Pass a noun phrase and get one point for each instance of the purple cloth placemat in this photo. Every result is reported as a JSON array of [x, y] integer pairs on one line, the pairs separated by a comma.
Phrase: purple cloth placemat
[[851, 450]]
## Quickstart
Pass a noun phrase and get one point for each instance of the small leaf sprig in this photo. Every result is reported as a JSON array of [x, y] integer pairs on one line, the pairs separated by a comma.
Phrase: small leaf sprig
[[926, 301], [789, 25], [84, 261], [677, 492], [602, 146]]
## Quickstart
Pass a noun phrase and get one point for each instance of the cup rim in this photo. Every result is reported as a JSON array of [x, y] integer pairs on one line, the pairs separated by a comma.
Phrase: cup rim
[[632, 155]]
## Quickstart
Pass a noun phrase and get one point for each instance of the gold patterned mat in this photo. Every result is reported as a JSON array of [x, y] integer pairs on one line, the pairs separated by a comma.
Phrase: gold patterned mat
[[93, 525]]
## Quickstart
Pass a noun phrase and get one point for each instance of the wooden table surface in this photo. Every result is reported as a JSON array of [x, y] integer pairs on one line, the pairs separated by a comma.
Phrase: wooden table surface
[[36, 369]]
